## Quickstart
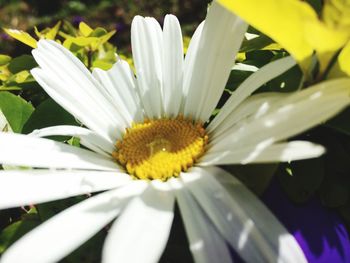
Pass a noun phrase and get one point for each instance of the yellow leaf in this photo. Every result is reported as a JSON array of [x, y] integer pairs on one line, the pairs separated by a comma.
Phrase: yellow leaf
[[186, 43], [53, 31], [282, 20], [273, 46], [37, 32], [64, 35], [336, 14], [335, 72], [80, 41], [101, 64], [22, 36], [85, 29], [22, 76], [3, 77], [102, 40], [240, 57], [344, 59], [325, 40]]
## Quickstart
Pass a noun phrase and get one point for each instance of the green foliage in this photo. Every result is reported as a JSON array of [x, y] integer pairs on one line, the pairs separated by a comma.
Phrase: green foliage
[[89, 45], [301, 179], [255, 176], [15, 72], [259, 42], [4, 59], [16, 230], [341, 122], [21, 63], [90, 251], [15, 109], [325, 177], [48, 113]]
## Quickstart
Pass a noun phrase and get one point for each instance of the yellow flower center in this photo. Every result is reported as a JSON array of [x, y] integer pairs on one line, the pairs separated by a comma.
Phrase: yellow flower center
[[161, 148]]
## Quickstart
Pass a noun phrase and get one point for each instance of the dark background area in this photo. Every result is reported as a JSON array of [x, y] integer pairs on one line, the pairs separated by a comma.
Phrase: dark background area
[[110, 14]]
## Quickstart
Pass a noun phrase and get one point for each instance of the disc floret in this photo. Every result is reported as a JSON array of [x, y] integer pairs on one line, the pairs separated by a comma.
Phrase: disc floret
[[161, 148]]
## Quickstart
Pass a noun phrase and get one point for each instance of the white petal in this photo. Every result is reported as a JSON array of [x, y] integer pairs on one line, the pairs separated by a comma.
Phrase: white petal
[[206, 76], [88, 138], [64, 75], [232, 220], [173, 65], [80, 110], [147, 48], [252, 83], [206, 244], [189, 61], [288, 117], [280, 152], [141, 232], [273, 231], [24, 150], [253, 107], [244, 67], [60, 235], [120, 84], [38, 186]]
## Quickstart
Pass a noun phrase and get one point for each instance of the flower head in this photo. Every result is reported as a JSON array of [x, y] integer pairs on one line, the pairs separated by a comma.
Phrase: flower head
[[149, 144]]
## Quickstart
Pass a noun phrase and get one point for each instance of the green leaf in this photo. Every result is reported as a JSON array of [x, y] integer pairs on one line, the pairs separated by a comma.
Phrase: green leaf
[[50, 209], [301, 179], [255, 176], [98, 32], [68, 28], [16, 110], [316, 5], [48, 113], [74, 141], [24, 62], [256, 43], [335, 194], [16, 230], [236, 78], [341, 122], [90, 251], [259, 58], [9, 88], [4, 59], [286, 82]]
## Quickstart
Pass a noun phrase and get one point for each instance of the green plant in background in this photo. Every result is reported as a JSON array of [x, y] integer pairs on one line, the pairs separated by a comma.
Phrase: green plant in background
[[323, 54], [89, 45]]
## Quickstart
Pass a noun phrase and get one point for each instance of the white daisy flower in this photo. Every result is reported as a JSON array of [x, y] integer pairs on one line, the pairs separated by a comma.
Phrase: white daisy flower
[[149, 146]]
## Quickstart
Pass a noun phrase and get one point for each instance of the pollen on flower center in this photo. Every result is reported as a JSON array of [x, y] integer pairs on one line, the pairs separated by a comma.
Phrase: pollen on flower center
[[161, 148]]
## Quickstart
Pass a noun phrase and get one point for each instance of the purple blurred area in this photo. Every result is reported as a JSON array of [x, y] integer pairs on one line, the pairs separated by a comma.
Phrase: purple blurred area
[[319, 231]]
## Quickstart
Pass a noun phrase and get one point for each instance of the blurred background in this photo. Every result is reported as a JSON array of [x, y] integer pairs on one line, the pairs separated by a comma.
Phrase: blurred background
[[109, 14]]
